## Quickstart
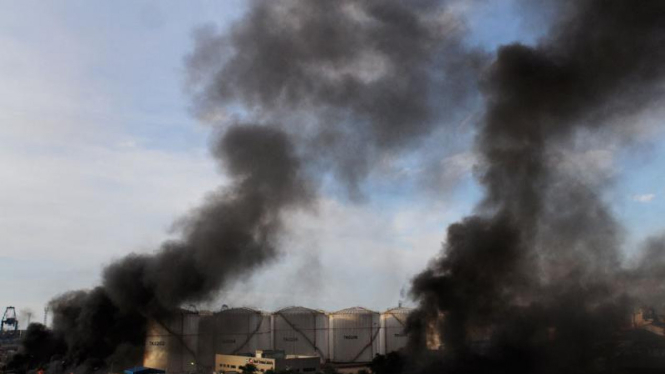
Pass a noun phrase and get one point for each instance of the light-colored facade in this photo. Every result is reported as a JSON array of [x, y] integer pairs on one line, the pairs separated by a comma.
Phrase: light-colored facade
[[267, 360], [231, 332], [393, 325], [172, 344], [301, 331], [354, 335], [189, 340]]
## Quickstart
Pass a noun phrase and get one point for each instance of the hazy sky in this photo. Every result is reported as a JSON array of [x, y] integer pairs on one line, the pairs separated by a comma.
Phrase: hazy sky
[[99, 155]]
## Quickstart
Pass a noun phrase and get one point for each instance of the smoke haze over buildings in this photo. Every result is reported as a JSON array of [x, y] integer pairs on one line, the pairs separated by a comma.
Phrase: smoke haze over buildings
[[305, 93], [538, 267]]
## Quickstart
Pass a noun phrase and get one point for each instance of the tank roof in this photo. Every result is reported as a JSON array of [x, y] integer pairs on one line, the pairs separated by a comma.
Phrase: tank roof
[[240, 310], [299, 310], [399, 310], [355, 310]]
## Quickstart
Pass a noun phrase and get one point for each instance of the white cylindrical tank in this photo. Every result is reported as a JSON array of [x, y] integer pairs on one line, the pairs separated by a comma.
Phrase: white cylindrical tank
[[157, 344], [393, 335], [172, 342], [355, 335], [206, 350], [301, 331], [240, 330]]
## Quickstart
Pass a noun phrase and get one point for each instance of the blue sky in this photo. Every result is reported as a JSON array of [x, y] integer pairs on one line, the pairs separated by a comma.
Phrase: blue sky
[[99, 155]]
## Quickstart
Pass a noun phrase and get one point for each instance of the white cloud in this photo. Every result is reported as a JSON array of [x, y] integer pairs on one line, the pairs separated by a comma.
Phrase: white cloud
[[644, 198]]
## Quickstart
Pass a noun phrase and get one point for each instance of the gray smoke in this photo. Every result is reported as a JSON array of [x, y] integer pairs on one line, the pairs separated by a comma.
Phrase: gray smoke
[[234, 232], [645, 277], [357, 81], [534, 276], [333, 88], [339, 84]]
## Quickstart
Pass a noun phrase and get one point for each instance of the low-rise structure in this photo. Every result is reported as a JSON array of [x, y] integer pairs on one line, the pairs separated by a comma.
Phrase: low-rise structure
[[265, 360]]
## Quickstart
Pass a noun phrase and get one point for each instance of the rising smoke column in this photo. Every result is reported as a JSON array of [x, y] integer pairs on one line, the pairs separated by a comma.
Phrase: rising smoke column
[[233, 233], [346, 84], [340, 84], [358, 82], [536, 269]]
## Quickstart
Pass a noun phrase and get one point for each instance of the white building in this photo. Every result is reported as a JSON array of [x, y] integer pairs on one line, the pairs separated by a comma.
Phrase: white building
[[189, 341], [267, 360]]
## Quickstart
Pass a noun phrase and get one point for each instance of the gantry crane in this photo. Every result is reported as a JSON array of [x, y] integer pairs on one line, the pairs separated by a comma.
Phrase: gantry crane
[[9, 320]]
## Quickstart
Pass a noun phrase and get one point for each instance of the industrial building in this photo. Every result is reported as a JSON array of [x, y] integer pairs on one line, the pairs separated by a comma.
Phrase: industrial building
[[191, 341], [275, 360]]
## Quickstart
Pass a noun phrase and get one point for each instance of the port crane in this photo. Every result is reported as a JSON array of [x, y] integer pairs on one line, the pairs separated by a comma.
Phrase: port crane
[[9, 320]]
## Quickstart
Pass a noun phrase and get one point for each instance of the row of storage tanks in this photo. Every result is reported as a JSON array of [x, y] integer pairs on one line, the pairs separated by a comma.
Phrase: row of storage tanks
[[189, 341]]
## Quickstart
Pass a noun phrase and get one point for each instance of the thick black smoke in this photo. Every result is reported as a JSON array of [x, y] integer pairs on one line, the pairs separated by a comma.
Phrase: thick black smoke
[[353, 80], [528, 284], [234, 232], [531, 283], [359, 81]]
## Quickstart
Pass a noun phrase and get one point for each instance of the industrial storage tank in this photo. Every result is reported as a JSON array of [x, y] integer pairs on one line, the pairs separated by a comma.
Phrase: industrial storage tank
[[172, 342], [355, 335], [236, 330], [301, 331], [393, 324]]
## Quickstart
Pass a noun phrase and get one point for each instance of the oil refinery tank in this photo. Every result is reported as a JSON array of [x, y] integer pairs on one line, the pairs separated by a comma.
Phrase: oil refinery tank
[[238, 330], [393, 335], [172, 342], [301, 331], [355, 335]]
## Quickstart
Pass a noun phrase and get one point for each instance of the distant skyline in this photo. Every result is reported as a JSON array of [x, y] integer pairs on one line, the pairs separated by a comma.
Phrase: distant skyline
[[99, 155]]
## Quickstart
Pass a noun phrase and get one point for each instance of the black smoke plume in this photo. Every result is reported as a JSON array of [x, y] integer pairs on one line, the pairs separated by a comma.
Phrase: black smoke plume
[[340, 84], [357, 81], [528, 284], [532, 283], [234, 232]]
